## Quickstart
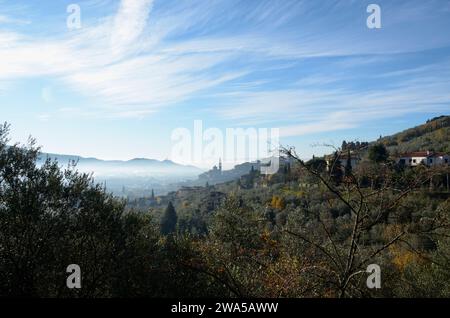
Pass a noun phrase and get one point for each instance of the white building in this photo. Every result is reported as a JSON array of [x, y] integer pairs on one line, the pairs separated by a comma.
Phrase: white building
[[343, 159], [428, 158]]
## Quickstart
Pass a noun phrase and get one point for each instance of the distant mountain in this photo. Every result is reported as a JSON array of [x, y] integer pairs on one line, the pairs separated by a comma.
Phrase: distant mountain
[[133, 178], [139, 167], [434, 135]]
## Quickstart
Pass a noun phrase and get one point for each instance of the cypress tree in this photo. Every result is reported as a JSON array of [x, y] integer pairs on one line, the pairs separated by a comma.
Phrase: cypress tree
[[348, 165], [378, 153], [336, 170], [169, 220]]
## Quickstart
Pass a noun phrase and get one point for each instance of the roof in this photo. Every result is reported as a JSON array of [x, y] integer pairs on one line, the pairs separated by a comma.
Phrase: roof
[[352, 156], [426, 154], [343, 155]]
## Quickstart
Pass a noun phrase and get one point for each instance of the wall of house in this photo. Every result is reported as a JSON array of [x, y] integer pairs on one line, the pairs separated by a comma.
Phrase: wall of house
[[415, 161], [354, 163]]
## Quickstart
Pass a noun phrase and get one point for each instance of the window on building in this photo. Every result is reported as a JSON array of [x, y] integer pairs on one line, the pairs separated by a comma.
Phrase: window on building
[[414, 161]]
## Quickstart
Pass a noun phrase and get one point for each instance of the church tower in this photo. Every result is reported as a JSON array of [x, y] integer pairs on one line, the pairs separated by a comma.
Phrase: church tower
[[220, 165]]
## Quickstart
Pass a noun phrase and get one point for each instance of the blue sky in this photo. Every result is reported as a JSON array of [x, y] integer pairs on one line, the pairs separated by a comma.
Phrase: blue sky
[[117, 87]]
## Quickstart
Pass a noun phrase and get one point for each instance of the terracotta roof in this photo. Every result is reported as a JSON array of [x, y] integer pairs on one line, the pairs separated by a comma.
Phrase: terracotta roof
[[343, 156], [426, 154]]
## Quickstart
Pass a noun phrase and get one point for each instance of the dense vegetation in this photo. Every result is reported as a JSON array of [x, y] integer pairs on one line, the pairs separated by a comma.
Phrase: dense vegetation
[[307, 231], [434, 135]]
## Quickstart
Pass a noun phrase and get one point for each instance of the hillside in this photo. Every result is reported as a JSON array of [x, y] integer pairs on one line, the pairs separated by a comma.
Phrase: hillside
[[433, 135]]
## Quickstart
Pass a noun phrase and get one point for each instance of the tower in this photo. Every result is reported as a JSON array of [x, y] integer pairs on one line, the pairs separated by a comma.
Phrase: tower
[[220, 165]]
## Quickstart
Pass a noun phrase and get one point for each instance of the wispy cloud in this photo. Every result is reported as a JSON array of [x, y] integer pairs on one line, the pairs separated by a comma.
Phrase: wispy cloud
[[8, 20], [153, 54], [129, 23], [305, 109], [115, 62]]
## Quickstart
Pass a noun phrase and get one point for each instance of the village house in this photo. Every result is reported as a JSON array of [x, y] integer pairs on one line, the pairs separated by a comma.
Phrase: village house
[[428, 158], [343, 159]]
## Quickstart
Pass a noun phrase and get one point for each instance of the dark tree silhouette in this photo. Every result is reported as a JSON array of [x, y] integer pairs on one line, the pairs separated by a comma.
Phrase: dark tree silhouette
[[348, 165], [378, 153], [169, 220], [336, 170]]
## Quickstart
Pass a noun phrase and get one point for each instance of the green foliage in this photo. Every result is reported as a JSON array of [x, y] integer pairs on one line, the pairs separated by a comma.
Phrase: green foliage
[[51, 218], [434, 135], [318, 164], [336, 171], [169, 220], [279, 238], [348, 164], [378, 153], [354, 145]]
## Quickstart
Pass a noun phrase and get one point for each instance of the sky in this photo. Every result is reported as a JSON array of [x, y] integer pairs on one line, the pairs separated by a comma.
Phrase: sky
[[117, 86]]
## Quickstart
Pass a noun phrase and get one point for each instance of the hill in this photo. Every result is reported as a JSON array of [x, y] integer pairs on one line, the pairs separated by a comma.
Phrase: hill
[[434, 135]]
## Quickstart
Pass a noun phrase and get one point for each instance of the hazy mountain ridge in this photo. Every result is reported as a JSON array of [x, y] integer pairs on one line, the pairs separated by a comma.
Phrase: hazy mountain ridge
[[136, 166], [135, 177]]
